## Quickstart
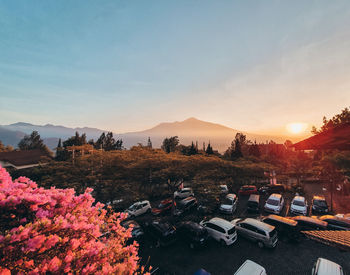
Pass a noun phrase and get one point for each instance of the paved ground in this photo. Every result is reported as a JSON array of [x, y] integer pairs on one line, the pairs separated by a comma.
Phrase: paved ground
[[286, 258]]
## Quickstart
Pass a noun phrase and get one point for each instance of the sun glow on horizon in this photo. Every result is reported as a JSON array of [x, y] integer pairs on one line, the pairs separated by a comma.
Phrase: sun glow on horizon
[[296, 127]]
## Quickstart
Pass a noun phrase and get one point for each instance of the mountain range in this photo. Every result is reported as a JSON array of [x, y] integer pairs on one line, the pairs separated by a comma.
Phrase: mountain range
[[189, 130]]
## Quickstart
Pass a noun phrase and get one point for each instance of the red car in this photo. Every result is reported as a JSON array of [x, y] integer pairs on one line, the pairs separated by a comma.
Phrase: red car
[[248, 190], [163, 207]]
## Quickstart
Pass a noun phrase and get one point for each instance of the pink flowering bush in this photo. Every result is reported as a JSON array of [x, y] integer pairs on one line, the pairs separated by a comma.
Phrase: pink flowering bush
[[56, 231]]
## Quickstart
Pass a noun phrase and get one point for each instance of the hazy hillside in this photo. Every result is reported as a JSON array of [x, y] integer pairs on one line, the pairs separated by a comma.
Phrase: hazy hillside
[[188, 130]]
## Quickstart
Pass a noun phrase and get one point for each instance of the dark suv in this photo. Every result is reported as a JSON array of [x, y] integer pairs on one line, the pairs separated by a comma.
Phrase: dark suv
[[193, 233], [185, 205], [272, 188], [136, 233], [336, 223], [163, 233], [253, 203], [319, 205], [285, 227]]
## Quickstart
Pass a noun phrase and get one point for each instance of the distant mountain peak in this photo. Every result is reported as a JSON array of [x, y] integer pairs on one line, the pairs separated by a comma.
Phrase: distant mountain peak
[[21, 124], [191, 119]]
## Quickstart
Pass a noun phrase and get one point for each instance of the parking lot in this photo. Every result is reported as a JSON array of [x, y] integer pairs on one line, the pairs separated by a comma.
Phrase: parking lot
[[286, 258]]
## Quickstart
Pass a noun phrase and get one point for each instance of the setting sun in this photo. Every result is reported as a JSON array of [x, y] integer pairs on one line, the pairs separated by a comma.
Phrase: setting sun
[[296, 127]]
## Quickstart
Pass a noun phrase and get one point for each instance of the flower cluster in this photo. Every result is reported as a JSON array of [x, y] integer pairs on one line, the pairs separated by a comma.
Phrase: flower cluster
[[56, 231]]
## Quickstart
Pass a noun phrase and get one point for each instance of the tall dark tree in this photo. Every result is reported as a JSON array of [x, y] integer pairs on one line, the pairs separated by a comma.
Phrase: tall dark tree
[[254, 150], [108, 142], [339, 119], [235, 150], [149, 143], [76, 140], [169, 144], [209, 149], [32, 141]]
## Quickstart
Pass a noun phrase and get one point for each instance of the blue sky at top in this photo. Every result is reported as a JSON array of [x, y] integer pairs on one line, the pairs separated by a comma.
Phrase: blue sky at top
[[128, 65]]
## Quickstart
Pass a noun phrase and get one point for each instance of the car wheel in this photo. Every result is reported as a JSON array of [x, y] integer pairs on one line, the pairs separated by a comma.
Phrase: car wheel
[[157, 243], [191, 245], [222, 242], [260, 244]]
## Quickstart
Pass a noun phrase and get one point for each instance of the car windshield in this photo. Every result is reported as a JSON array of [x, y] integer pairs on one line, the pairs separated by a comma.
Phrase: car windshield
[[299, 203], [162, 205], [133, 207], [252, 203], [228, 201], [272, 202], [273, 233], [231, 231], [320, 203]]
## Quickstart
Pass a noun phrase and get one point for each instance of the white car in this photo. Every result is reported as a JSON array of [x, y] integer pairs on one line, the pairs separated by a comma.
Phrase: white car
[[325, 267], [221, 230], [298, 206], [274, 204], [183, 193], [344, 216], [251, 268], [229, 205], [139, 208]]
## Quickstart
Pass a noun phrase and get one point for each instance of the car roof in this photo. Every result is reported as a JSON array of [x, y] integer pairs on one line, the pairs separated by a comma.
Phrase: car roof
[[327, 267], [247, 186], [258, 224], [254, 197], [309, 219], [231, 196], [282, 219], [251, 268], [299, 198], [192, 225], [186, 189], [274, 195], [317, 197], [166, 201], [334, 218], [222, 223]]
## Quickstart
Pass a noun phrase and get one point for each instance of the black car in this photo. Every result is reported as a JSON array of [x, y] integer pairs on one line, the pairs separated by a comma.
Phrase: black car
[[192, 233], [319, 205], [285, 227], [309, 223], [185, 205], [136, 233], [253, 203], [336, 223], [163, 233], [272, 188]]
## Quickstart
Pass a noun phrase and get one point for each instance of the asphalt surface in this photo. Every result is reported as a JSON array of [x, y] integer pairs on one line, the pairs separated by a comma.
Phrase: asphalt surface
[[286, 258]]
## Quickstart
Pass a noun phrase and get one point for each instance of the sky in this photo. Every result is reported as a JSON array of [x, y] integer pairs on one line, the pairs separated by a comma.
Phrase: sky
[[128, 65]]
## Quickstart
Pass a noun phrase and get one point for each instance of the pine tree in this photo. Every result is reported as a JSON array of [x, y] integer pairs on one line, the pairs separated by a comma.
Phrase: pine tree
[[149, 143]]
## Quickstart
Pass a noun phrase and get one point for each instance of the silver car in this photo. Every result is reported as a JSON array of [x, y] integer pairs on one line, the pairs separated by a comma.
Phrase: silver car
[[260, 232]]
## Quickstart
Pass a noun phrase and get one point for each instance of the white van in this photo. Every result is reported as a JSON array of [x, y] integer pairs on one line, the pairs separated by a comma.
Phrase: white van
[[250, 268], [326, 267], [229, 205], [221, 230]]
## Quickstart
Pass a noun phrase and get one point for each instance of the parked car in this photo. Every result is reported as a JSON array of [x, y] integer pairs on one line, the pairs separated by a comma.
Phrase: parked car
[[272, 188], [319, 205], [247, 190], [285, 227], [223, 189], [164, 207], [298, 206], [274, 204], [162, 233], [250, 268], [137, 232], [193, 233], [185, 205], [309, 223], [345, 216], [253, 204], [257, 231], [323, 267], [221, 230], [229, 205], [336, 223], [139, 208], [183, 193]]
